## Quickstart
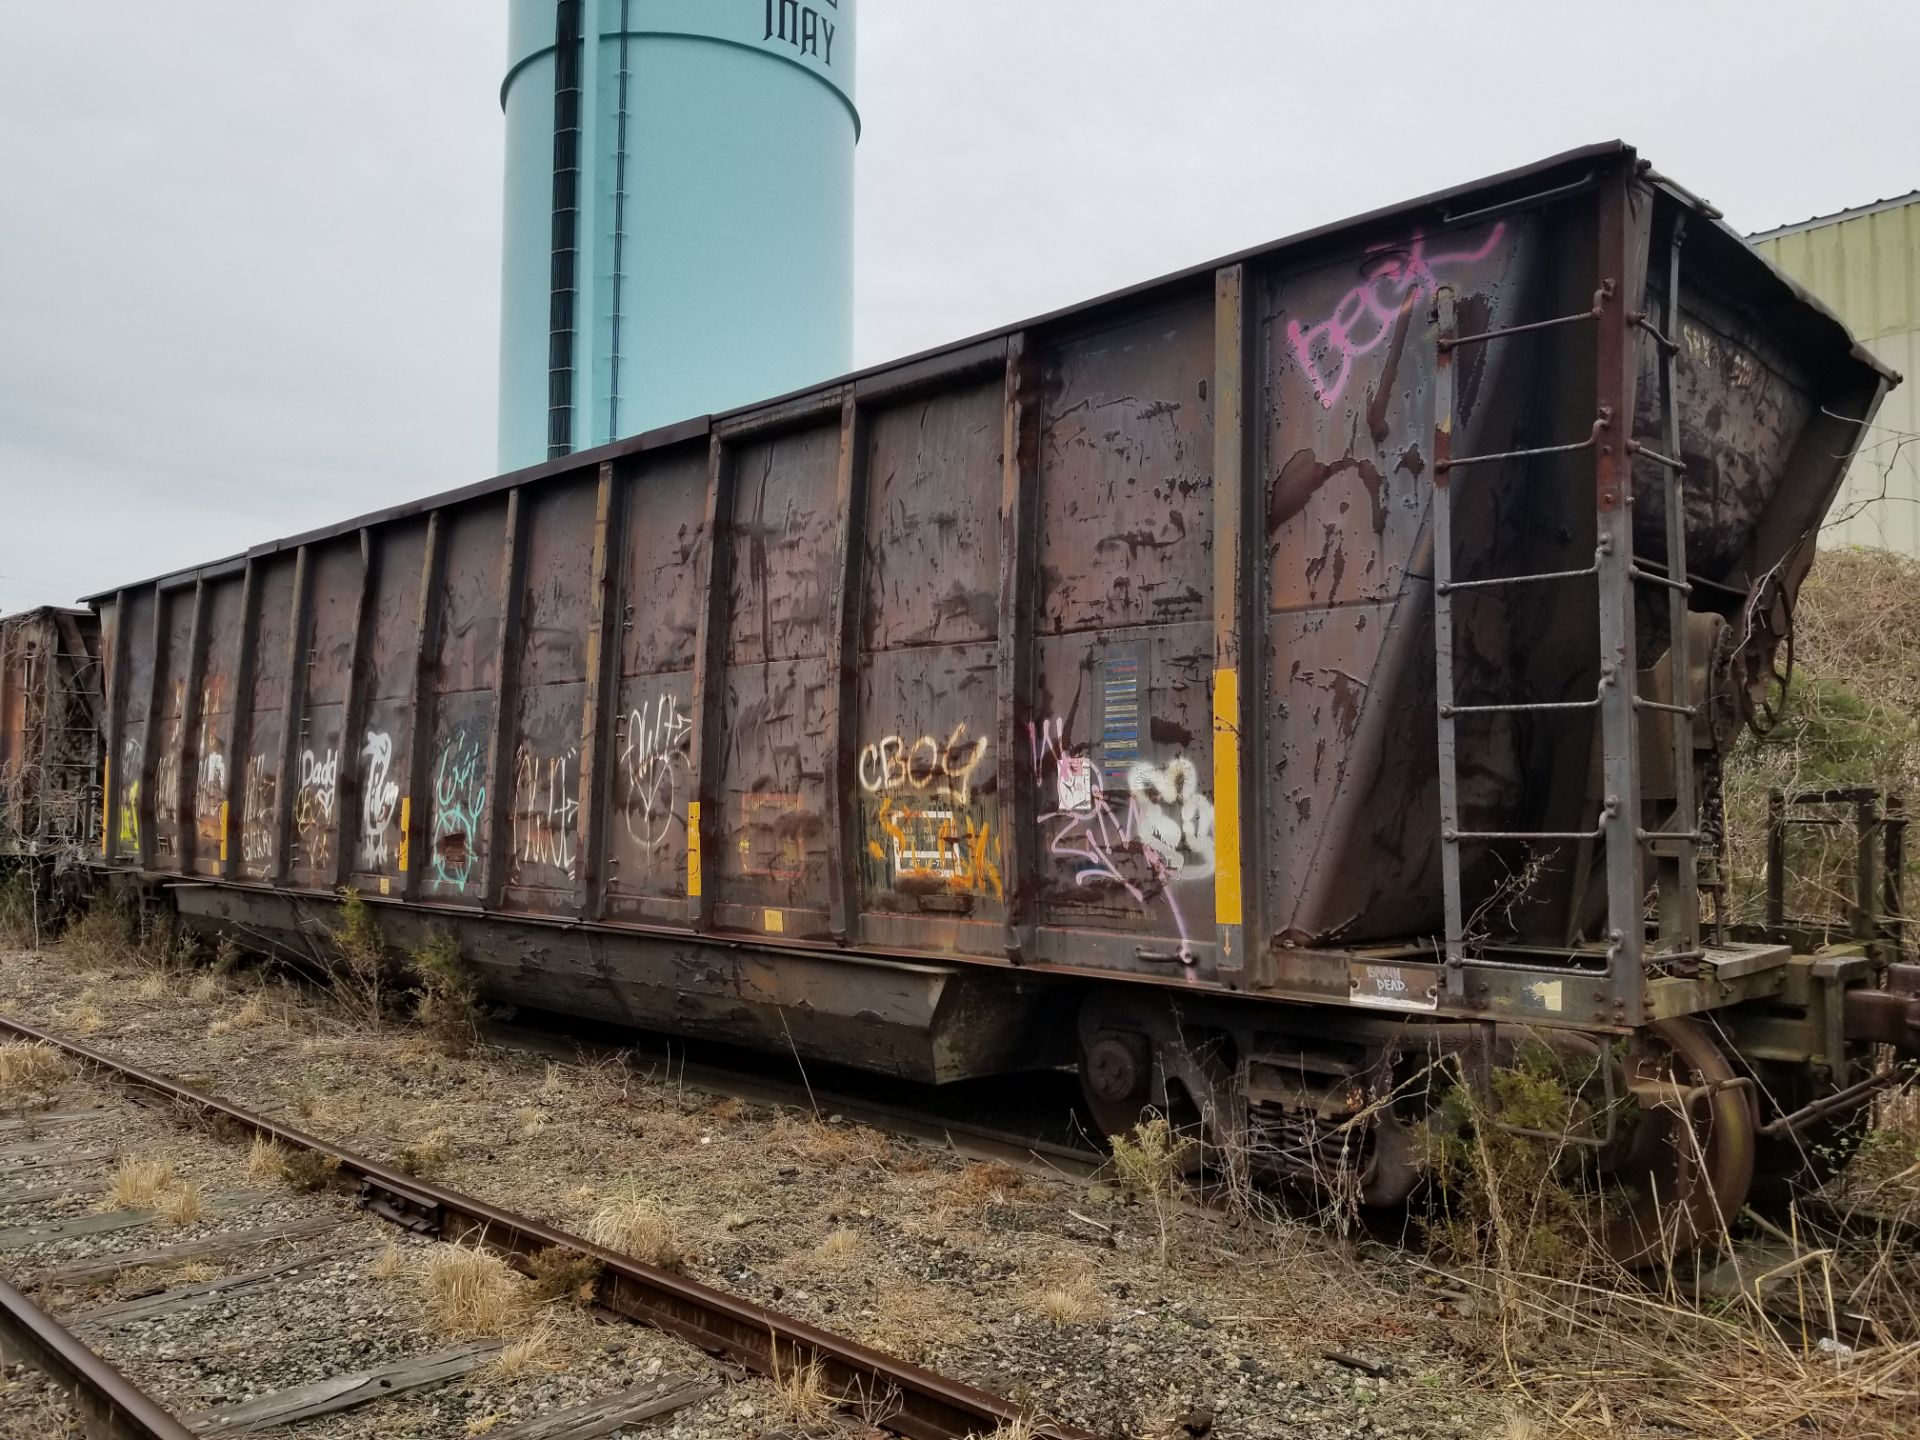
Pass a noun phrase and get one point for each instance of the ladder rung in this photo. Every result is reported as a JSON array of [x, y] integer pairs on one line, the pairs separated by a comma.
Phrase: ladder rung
[[1452, 585], [1454, 837], [1691, 837], [1452, 710], [1665, 343], [1652, 579], [1455, 342], [1687, 710], [1600, 423], [1634, 447]]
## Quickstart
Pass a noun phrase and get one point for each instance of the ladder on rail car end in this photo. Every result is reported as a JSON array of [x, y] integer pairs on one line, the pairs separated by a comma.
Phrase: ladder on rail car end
[[1674, 851]]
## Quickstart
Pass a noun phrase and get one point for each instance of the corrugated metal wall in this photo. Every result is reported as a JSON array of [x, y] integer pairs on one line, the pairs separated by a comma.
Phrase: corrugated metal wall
[[1865, 264]]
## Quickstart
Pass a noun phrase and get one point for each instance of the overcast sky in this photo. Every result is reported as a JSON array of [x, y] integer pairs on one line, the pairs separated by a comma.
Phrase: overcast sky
[[249, 251]]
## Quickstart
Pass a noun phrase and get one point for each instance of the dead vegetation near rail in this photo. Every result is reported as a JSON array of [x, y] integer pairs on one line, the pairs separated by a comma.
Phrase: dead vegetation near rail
[[1851, 717]]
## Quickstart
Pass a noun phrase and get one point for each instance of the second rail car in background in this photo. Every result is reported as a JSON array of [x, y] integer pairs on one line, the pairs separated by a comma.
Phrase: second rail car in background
[[1246, 685]]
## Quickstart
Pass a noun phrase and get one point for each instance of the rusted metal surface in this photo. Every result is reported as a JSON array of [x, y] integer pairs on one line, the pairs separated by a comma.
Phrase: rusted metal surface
[[914, 1402], [109, 1405], [1105, 646], [50, 703]]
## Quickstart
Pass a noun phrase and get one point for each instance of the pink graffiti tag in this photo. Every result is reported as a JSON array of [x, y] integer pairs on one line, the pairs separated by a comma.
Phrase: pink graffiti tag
[[1397, 277]]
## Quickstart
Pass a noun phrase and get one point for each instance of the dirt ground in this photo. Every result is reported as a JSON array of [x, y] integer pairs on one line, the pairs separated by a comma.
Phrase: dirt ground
[[1052, 1291]]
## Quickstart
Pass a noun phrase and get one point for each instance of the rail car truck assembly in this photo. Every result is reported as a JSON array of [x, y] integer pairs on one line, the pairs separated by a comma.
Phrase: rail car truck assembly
[[1263, 688]]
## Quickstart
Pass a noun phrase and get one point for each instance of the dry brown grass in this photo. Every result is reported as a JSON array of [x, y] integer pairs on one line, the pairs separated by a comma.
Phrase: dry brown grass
[[469, 1292], [391, 1263], [918, 1322], [821, 1142], [31, 1075], [1074, 1301], [85, 1016], [138, 1182], [185, 1203], [267, 1159], [632, 1225], [801, 1398], [530, 1355], [840, 1244], [252, 1014], [985, 1182]]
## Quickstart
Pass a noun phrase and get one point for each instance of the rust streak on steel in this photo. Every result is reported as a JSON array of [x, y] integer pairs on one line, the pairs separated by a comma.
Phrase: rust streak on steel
[[919, 1403], [111, 1407]]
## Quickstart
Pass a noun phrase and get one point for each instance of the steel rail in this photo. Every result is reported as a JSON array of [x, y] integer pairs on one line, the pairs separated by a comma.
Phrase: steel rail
[[896, 1395], [111, 1406]]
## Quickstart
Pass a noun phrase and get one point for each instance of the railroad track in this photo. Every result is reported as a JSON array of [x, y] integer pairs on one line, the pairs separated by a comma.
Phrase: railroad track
[[87, 1275]]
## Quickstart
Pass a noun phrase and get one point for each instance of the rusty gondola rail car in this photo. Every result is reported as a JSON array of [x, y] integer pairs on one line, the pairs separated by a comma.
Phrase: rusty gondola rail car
[[1248, 685], [50, 709]]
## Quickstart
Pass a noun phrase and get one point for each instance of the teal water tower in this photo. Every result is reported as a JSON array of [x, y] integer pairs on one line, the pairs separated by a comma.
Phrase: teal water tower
[[679, 212]]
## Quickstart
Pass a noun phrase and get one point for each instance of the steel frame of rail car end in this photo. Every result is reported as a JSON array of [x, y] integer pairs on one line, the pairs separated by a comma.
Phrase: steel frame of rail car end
[[918, 1403], [111, 1406]]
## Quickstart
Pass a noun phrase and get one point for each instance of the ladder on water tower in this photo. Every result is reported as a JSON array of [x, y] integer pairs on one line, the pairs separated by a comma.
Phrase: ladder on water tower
[[1673, 850]]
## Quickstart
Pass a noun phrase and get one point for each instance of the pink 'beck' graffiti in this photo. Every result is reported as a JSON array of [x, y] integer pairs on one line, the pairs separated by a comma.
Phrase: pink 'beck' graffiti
[[1397, 277]]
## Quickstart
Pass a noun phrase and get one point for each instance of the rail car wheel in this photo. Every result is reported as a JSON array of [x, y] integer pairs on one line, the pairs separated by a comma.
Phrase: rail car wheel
[[1118, 1083], [1683, 1160]]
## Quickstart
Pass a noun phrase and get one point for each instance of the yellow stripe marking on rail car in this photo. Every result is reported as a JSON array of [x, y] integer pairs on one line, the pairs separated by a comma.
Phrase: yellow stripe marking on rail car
[[224, 812], [406, 828], [693, 849], [1226, 797]]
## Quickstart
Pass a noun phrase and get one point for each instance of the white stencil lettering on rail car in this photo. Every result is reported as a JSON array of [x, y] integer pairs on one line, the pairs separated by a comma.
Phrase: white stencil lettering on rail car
[[379, 799], [653, 761]]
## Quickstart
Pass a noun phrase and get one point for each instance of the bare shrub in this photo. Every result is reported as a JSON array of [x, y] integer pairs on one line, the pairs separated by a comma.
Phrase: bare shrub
[[310, 1170], [561, 1274], [448, 1003], [426, 1156], [19, 911], [267, 1159], [1149, 1164], [361, 970]]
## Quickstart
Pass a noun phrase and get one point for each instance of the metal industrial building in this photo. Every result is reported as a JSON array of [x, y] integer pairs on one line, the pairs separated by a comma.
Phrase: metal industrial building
[[1865, 264]]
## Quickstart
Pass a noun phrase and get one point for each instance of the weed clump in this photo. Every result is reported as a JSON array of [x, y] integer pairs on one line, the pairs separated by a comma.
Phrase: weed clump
[[632, 1225], [31, 1075], [138, 1183], [448, 1000], [308, 1170], [1149, 1164], [561, 1274], [469, 1291], [425, 1157], [19, 911]]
